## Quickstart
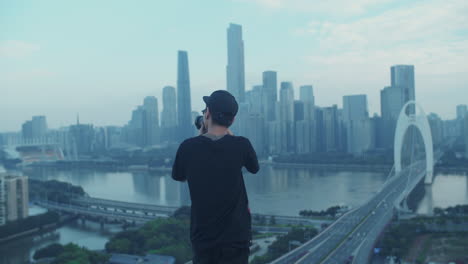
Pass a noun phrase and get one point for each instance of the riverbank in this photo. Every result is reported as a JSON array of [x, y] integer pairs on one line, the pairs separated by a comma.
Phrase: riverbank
[[331, 166]]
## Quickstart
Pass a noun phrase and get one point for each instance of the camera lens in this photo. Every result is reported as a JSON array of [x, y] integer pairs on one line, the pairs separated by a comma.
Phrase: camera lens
[[199, 122]]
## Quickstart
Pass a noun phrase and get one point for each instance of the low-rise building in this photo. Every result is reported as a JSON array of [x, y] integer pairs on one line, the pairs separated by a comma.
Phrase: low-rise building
[[14, 198]]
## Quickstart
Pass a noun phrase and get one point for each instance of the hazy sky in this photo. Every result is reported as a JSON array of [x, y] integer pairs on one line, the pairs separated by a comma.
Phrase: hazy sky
[[100, 58]]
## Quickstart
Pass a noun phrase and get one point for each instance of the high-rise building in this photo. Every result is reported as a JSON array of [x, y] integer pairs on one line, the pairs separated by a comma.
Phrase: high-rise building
[[466, 136], [461, 111], [169, 111], [235, 67], [254, 98], [306, 95], [270, 86], [39, 126], [82, 138], [256, 132], [26, 130], [14, 198], [437, 128], [356, 124], [133, 131], [286, 116], [402, 77], [286, 102], [3, 209], [169, 114], [35, 129], [274, 137], [390, 106], [184, 106], [330, 128], [151, 133], [355, 107]]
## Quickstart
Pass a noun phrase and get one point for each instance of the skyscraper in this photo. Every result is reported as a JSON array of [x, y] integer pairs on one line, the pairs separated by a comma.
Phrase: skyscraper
[[402, 78], [306, 95], [254, 98], [286, 116], [356, 123], [461, 111], [270, 86], [151, 124], [169, 111], [39, 126], [465, 125], [169, 114], [390, 107], [330, 128], [235, 67], [184, 107], [355, 107]]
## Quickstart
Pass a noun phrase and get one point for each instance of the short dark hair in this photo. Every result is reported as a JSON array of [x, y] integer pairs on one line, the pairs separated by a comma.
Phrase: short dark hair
[[222, 119]]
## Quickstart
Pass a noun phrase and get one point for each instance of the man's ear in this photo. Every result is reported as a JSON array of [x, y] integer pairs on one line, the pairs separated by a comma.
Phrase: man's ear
[[208, 113]]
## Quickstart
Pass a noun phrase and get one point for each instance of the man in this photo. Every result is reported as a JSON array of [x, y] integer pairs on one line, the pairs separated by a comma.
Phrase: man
[[212, 164]]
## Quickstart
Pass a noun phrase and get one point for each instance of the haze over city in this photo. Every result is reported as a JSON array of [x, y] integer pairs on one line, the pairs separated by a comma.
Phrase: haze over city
[[59, 59]]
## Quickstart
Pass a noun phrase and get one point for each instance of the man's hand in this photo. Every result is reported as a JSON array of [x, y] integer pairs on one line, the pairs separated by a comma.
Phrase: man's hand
[[202, 130]]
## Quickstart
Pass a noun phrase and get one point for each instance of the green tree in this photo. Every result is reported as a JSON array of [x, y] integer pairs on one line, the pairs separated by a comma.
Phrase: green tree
[[272, 220]]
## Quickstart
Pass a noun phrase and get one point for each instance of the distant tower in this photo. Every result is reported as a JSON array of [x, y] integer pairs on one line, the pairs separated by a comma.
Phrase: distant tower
[[286, 116], [235, 67], [306, 95], [151, 121], [402, 77], [270, 86], [184, 107], [169, 112], [169, 115]]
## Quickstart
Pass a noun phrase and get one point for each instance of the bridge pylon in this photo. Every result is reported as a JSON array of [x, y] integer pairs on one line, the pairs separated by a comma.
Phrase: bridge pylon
[[419, 120]]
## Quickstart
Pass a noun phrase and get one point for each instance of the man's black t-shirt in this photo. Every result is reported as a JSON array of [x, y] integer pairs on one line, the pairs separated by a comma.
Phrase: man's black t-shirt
[[213, 168]]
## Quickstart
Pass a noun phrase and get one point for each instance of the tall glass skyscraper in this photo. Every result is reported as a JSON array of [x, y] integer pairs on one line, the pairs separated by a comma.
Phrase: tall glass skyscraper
[[271, 93], [402, 77], [151, 123], [169, 112], [235, 67], [184, 107]]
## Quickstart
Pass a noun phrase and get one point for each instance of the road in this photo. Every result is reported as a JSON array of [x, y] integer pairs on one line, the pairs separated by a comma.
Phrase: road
[[355, 233]]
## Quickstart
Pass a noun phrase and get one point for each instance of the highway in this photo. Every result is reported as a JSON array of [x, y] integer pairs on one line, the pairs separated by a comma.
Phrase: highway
[[352, 237]]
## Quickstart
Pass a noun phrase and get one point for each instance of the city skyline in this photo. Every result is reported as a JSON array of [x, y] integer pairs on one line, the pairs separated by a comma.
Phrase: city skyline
[[44, 68]]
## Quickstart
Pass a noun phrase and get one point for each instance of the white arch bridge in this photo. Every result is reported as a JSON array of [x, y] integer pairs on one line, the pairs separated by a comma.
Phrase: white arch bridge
[[351, 238]]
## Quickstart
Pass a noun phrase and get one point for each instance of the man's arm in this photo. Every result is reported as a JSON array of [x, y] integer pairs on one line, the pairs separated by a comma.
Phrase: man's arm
[[178, 172], [250, 158]]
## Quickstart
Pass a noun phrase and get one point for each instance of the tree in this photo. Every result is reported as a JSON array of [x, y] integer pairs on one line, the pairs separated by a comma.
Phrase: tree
[[272, 220], [51, 251]]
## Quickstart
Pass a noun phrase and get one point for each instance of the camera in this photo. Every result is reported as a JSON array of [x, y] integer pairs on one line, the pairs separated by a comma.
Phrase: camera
[[199, 122]]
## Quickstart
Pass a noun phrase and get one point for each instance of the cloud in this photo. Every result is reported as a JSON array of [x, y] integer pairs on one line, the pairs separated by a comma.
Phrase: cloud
[[329, 8], [17, 49], [429, 35]]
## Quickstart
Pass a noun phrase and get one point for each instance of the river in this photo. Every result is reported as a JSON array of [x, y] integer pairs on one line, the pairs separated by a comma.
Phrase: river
[[281, 191]]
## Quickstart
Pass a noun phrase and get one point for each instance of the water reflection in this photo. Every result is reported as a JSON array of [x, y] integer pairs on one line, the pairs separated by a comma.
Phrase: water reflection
[[283, 191], [446, 190]]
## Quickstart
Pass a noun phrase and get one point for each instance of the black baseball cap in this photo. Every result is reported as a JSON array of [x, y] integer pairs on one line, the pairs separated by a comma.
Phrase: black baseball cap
[[221, 101]]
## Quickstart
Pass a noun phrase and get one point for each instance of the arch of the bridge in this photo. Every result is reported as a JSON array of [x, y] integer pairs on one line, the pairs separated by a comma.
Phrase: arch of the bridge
[[418, 120]]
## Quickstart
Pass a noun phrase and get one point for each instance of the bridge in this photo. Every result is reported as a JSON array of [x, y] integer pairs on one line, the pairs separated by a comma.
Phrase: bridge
[[352, 237], [121, 211]]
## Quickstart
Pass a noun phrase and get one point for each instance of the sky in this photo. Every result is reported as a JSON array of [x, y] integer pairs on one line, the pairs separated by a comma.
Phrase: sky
[[99, 59]]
